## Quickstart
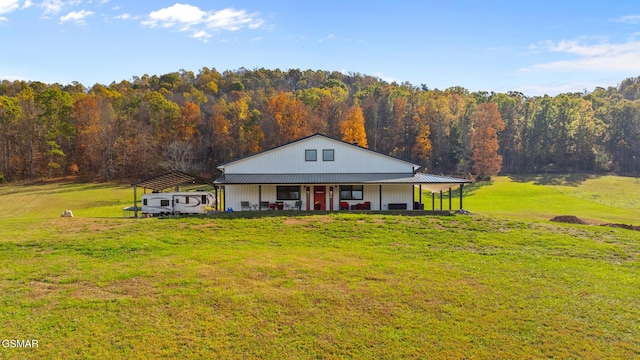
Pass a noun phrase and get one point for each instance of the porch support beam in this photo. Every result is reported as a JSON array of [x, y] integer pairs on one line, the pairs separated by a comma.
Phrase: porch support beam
[[461, 185], [259, 197], [449, 199], [380, 196]]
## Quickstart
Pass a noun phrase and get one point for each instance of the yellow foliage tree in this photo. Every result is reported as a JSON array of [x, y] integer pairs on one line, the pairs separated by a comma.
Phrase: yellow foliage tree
[[352, 127]]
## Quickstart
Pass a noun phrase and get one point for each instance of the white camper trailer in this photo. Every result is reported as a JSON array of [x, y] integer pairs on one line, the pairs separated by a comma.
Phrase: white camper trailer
[[176, 203]]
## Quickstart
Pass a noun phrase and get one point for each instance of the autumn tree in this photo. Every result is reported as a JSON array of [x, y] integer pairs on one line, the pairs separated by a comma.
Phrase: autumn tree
[[352, 126], [486, 161], [289, 115]]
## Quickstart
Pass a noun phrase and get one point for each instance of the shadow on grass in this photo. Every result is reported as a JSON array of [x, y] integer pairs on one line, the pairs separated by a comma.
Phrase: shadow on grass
[[573, 179], [470, 189]]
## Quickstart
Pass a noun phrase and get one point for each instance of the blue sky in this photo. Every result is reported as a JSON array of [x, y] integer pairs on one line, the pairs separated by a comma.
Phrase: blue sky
[[536, 47]]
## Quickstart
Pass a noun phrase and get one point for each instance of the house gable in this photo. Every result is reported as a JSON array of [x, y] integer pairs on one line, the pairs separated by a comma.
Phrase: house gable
[[331, 156]]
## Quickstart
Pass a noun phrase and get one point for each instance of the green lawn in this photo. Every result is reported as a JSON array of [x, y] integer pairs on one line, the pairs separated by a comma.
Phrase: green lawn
[[362, 286], [599, 199]]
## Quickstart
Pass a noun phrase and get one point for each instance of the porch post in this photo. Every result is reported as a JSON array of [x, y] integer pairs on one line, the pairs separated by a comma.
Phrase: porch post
[[440, 199], [433, 200], [308, 197], [135, 201], [330, 198], [449, 199], [380, 196], [259, 197], [420, 197], [461, 185]]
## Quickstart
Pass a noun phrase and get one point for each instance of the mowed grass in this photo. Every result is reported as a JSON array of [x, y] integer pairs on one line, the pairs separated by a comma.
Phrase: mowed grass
[[319, 286], [606, 199]]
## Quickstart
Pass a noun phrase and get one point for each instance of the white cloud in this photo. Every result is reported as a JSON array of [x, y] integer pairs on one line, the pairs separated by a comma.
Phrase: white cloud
[[52, 6], [328, 37], [232, 20], [76, 16], [184, 17], [603, 56], [124, 16], [2, 18], [7, 6], [631, 19], [178, 14], [201, 35]]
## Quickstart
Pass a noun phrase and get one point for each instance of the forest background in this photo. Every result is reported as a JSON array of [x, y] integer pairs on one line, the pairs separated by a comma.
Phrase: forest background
[[193, 122]]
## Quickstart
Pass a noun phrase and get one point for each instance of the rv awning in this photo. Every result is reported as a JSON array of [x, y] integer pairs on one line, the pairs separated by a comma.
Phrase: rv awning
[[429, 181]]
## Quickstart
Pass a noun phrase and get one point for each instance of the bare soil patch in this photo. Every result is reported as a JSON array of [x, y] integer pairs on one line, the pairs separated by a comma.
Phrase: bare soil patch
[[569, 219]]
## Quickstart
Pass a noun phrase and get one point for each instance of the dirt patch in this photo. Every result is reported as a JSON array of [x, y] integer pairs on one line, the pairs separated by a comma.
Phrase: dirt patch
[[294, 221], [623, 226], [569, 219]]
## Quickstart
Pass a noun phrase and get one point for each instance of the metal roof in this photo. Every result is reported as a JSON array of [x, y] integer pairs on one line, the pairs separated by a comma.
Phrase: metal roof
[[361, 178], [169, 180]]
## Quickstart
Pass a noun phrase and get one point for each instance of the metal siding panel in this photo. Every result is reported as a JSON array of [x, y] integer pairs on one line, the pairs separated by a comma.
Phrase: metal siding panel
[[397, 194], [290, 159]]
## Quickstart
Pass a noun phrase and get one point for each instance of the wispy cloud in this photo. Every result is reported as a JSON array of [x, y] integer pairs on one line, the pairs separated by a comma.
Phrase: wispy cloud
[[559, 88], [52, 6], [8, 6], [603, 56], [328, 37], [185, 17], [76, 17], [631, 19], [125, 16]]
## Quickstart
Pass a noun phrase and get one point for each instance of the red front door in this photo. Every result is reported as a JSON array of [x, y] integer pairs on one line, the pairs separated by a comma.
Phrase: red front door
[[319, 199]]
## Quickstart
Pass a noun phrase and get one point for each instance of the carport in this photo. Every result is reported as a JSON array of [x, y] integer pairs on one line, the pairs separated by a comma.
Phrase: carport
[[170, 180]]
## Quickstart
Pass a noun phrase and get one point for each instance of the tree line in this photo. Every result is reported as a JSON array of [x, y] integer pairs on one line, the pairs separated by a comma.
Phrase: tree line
[[193, 122]]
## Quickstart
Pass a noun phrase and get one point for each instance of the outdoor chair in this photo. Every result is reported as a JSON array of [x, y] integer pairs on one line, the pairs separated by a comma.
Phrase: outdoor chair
[[298, 205]]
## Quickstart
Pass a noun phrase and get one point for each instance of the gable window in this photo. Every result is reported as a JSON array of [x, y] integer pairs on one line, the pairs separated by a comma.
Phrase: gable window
[[327, 155], [288, 192], [351, 192], [311, 155]]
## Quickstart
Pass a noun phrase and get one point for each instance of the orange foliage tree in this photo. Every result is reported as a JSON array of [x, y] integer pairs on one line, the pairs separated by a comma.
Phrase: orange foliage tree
[[290, 116], [486, 161], [352, 127]]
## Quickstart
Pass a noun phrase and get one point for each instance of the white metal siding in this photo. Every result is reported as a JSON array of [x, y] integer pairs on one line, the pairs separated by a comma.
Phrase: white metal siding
[[290, 159], [390, 194]]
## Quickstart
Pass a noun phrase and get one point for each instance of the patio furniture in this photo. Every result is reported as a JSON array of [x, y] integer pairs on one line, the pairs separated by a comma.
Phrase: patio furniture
[[244, 205]]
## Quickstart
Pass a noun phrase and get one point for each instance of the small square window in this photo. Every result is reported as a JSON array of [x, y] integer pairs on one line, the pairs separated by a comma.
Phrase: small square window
[[327, 155], [311, 155]]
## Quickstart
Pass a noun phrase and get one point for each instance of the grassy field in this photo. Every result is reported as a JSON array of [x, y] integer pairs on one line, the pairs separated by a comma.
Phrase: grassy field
[[491, 285]]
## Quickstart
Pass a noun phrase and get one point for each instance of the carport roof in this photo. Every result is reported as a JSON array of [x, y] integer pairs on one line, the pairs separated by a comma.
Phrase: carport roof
[[169, 180]]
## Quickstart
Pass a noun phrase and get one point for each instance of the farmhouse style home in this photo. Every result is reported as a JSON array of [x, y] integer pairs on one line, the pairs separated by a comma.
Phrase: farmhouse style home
[[319, 173]]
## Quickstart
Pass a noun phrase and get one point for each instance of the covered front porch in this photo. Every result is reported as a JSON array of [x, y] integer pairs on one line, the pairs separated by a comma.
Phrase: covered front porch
[[374, 192]]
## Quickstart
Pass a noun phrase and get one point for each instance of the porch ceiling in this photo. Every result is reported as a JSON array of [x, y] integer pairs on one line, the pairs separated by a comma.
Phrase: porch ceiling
[[427, 180]]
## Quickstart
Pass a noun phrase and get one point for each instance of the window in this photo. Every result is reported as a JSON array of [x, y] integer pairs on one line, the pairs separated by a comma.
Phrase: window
[[164, 202], [204, 200], [288, 192], [327, 155], [311, 155], [144, 202], [351, 192]]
